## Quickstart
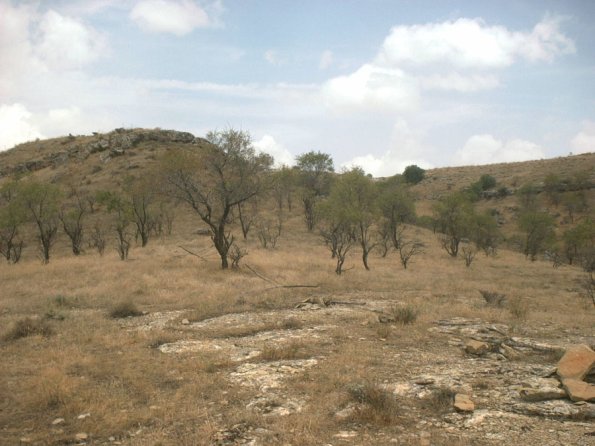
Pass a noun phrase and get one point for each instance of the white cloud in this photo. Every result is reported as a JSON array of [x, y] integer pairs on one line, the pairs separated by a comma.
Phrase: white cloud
[[326, 59], [407, 148], [177, 17], [434, 56], [485, 149], [458, 82], [268, 144], [67, 43], [273, 57], [584, 141], [16, 126], [470, 43], [374, 88]]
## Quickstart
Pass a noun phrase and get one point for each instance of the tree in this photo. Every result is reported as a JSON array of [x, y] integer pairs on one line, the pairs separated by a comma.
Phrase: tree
[[12, 218], [538, 229], [283, 184], [141, 198], [579, 242], [413, 174], [485, 233], [338, 232], [396, 205], [215, 179], [552, 186], [315, 180], [454, 217], [41, 202], [71, 215], [121, 211]]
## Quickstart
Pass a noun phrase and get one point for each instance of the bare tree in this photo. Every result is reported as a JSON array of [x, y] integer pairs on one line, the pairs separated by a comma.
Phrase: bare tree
[[408, 249], [71, 216], [215, 179]]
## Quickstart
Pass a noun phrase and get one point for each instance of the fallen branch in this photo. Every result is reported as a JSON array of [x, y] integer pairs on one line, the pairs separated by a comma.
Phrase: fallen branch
[[266, 279], [193, 253]]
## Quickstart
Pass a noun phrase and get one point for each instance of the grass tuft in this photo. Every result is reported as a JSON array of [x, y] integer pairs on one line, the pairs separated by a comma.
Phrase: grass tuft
[[28, 327], [405, 314], [376, 405], [124, 309], [291, 350]]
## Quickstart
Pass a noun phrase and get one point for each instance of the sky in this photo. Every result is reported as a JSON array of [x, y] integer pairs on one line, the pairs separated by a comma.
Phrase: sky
[[380, 84]]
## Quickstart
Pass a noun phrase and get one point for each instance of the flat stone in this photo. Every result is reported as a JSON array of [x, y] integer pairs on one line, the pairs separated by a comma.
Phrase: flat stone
[[58, 421], [576, 363], [509, 352], [579, 390], [81, 436], [477, 348], [463, 403], [542, 394]]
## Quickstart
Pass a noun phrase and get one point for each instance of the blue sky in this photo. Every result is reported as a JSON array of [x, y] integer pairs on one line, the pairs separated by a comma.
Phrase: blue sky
[[380, 84]]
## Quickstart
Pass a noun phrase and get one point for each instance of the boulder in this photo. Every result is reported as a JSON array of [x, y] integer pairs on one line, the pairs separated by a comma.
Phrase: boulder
[[463, 403], [477, 348], [576, 363], [579, 390]]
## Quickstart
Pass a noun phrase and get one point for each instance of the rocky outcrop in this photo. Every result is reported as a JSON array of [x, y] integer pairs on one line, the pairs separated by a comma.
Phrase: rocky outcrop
[[110, 145], [574, 366]]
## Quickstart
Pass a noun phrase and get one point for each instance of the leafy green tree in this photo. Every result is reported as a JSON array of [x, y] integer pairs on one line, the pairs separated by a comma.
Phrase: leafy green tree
[[12, 218], [42, 204], [315, 170], [215, 179], [579, 242], [413, 174], [485, 233], [283, 184], [122, 215], [487, 182], [355, 194], [337, 231], [574, 202], [396, 206], [454, 217], [527, 197], [552, 186], [538, 232], [71, 216]]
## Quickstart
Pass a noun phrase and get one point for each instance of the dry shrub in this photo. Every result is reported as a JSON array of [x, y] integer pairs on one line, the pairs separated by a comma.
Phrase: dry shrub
[[405, 314], [291, 323], [28, 327], [439, 401], [290, 350], [383, 330], [53, 389], [375, 404], [519, 308], [124, 309], [493, 298]]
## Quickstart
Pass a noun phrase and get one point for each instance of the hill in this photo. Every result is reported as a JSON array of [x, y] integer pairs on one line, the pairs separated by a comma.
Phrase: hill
[[167, 348]]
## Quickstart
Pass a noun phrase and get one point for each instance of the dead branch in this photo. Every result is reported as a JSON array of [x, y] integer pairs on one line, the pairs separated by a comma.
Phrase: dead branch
[[193, 253]]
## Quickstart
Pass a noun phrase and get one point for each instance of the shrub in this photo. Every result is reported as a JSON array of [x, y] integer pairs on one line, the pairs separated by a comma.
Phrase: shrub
[[413, 174], [377, 404], [518, 308], [493, 298], [291, 350], [28, 327], [124, 309], [405, 314], [439, 401]]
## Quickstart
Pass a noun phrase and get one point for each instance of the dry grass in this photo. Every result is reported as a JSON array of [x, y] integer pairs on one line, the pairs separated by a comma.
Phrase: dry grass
[[107, 367], [28, 327], [124, 309]]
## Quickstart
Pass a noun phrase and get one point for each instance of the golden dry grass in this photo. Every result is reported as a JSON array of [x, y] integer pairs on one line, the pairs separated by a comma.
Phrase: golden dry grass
[[95, 365]]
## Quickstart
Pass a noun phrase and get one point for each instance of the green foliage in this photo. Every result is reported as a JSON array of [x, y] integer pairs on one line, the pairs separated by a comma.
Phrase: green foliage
[[396, 205], [41, 202], [215, 180], [527, 196], [352, 201], [485, 233], [487, 182], [315, 180], [579, 243], [454, 218], [552, 186], [538, 232], [12, 217], [413, 174]]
